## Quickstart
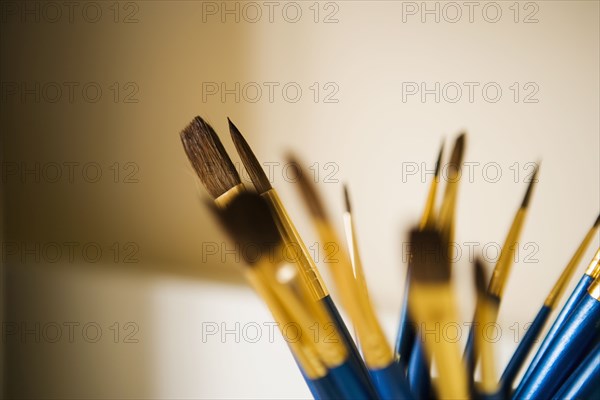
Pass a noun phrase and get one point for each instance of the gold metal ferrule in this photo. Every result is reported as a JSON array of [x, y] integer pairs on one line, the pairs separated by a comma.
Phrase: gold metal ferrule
[[223, 200], [505, 260], [303, 351], [307, 267], [594, 289], [433, 307], [565, 276], [593, 268]]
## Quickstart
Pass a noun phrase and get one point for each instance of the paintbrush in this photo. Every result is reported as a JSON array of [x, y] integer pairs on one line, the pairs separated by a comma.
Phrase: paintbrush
[[336, 257], [584, 380], [580, 291], [408, 346], [210, 161], [447, 209], [520, 355], [406, 330], [247, 219], [503, 266], [307, 268], [566, 350], [484, 316], [432, 305], [386, 373]]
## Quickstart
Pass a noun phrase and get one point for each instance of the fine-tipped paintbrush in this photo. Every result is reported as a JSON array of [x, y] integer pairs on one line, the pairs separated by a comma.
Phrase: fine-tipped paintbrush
[[484, 316], [447, 209], [580, 291], [307, 267], [210, 161], [386, 373], [338, 259], [247, 219], [432, 304], [568, 348], [406, 330], [503, 266], [408, 347], [536, 327]]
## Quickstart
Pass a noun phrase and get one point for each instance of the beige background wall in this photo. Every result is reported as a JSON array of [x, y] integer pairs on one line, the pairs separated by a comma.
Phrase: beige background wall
[[362, 128]]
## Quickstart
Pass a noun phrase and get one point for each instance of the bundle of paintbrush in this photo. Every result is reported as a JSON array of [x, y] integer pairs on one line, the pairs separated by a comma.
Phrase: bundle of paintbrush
[[281, 270]]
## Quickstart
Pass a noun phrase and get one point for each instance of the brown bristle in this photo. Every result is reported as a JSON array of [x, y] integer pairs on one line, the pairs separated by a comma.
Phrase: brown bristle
[[530, 187], [597, 223], [438, 163], [209, 158], [429, 262], [250, 223], [481, 281], [257, 174], [308, 191], [457, 153], [347, 203]]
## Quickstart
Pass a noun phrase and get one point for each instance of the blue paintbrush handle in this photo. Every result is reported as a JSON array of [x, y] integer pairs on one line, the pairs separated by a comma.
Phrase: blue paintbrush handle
[[523, 349], [390, 382], [564, 352], [358, 365], [578, 293], [584, 379], [347, 383], [406, 329], [418, 371], [323, 388]]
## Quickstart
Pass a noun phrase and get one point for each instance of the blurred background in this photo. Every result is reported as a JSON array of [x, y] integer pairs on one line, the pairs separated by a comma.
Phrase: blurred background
[[116, 281]]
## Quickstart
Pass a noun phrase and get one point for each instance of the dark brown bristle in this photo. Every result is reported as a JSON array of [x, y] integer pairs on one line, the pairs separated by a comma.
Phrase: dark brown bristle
[[597, 223], [438, 163], [347, 199], [209, 158], [308, 191], [250, 223], [530, 187], [457, 153], [257, 174], [429, 262], [481, 281]]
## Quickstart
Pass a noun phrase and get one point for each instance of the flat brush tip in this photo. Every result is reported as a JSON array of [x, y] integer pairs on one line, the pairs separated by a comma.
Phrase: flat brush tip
[[208, 157], [429, 262], [480, 278]]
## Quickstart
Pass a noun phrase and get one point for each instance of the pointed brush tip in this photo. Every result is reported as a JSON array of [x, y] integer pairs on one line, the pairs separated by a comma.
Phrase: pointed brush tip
[[347, 203], [597, 223], [532, 182], [438, 162]]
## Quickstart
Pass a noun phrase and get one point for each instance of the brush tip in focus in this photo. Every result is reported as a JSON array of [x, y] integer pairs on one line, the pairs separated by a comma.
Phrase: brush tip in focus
[[208, 157], [253, 167], [532, 182], [429, 261]]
